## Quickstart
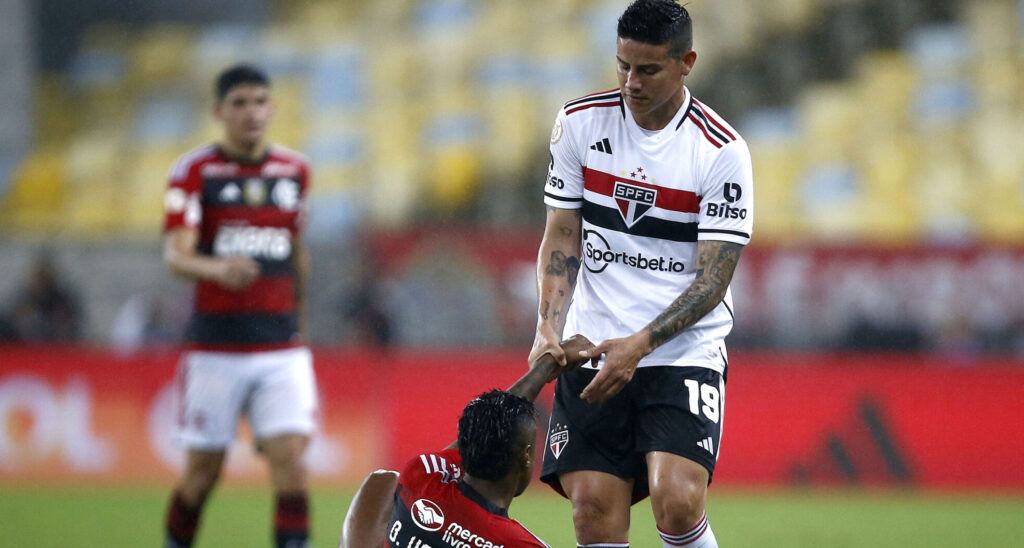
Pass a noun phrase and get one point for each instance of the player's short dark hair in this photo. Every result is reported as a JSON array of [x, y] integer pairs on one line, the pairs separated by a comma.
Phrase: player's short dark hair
[[490, 430], [658, 22], [238, 75]]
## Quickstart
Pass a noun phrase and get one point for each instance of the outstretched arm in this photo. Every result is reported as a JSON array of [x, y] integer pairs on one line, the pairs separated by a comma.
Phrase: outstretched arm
[[545, 369], [558, 263], [716, 263]]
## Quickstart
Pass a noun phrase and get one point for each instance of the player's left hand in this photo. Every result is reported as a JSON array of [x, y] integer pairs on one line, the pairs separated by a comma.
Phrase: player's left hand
[[621, 359]]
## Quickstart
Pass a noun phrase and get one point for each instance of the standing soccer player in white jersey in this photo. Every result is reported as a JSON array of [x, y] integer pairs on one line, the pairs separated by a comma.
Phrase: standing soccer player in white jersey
[[649, 198]]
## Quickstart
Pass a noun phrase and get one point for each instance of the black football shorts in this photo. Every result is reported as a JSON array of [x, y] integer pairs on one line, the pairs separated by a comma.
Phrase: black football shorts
[[674, 409]]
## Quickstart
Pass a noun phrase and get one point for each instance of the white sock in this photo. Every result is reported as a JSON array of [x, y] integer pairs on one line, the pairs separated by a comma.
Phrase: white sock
[[698, 536]]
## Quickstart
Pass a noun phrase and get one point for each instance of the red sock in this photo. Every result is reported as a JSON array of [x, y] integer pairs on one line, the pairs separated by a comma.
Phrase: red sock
[[182, 521], [291, 519]]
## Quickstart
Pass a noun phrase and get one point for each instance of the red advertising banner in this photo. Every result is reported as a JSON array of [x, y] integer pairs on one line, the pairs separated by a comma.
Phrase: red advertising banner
[[69, 415]]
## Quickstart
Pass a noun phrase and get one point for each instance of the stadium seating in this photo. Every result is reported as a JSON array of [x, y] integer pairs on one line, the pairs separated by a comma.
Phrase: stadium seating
[[412, 108]]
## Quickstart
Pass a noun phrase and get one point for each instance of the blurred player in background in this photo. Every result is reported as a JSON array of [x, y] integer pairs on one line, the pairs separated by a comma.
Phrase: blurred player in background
[[649, 199], [234, 211]]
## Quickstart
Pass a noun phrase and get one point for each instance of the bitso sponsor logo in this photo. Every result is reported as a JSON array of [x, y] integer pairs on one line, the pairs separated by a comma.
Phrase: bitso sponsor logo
[[597, 255], [634, 201], [732, 192], [427, 515], [726, 211]]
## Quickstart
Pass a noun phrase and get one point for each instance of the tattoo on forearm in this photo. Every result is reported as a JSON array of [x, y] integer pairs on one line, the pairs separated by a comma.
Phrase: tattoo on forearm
[[716, 263], [556, 266], [572, 268], [560, 265], [544, 313]]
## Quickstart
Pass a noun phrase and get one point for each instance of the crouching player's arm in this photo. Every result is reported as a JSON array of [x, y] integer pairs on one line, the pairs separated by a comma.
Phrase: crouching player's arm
[[370, 511], [545, 369]]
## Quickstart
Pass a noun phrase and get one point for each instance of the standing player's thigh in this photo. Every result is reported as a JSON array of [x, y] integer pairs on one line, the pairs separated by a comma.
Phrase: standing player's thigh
[[284, 400], [681, 412], [212, 387], [589, 436]]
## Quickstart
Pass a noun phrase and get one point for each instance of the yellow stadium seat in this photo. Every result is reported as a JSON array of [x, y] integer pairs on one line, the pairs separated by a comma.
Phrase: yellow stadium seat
[[831, 120], [776, 167], [161, 55], [37, 191], [885, 85]]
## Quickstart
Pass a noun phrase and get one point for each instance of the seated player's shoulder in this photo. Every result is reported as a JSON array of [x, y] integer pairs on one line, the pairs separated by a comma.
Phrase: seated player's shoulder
[[446, 465]]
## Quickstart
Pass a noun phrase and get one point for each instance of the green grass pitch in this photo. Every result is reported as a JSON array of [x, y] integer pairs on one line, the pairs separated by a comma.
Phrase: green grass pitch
[[240, 516]]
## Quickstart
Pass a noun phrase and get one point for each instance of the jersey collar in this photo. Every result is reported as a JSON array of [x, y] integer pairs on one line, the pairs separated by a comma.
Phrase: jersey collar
[[472, 494], [673, 125], [243, 161]]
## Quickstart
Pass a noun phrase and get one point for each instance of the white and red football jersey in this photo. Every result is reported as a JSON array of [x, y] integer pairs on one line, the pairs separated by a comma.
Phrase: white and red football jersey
[[647, 197]]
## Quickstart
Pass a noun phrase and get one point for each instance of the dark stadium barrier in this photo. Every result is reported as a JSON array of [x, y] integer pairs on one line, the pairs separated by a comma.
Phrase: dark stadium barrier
[[81, 415]]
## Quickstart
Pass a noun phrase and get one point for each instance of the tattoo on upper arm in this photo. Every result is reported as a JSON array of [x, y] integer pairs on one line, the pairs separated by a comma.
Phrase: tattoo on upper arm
[[716, 262]]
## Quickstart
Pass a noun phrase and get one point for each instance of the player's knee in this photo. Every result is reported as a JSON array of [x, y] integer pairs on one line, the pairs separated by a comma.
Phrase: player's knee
[[198, 483], [679, 507], [595, 519], [288, 471]]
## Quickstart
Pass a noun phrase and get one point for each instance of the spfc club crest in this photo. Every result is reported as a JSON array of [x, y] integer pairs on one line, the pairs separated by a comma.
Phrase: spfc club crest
[[634, 201], [558, 439]]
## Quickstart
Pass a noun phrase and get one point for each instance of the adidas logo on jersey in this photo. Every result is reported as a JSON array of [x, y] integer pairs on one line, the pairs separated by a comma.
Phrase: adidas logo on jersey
[[602, 146], [230, 193], [708, 444]]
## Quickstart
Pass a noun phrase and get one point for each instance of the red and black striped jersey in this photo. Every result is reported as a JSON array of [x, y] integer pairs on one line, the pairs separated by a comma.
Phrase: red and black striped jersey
[[433, 508], [646, 198], [252, 209]]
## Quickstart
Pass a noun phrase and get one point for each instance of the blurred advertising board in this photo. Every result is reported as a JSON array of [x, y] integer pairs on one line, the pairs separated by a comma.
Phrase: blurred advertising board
[[950, 298], [81, 415]]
